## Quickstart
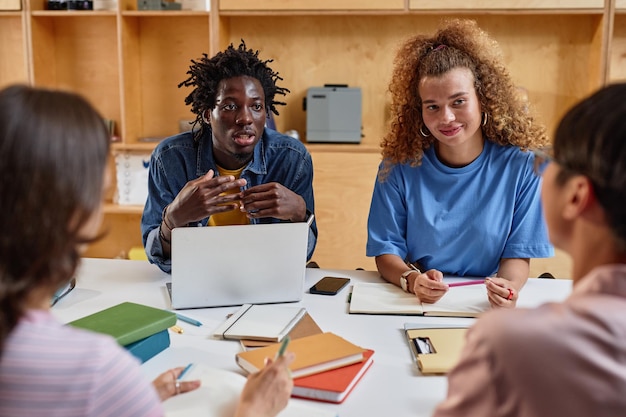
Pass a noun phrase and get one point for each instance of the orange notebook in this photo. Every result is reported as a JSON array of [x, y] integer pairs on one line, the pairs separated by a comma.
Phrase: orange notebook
[[314, 354], [334, 385]]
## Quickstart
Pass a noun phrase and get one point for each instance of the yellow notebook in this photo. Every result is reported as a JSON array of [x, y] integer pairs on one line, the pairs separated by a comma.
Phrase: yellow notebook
[[314, 354], [436, 350]]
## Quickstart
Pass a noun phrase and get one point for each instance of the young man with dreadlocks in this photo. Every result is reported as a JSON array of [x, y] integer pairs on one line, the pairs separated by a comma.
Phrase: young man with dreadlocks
[[230, 169]]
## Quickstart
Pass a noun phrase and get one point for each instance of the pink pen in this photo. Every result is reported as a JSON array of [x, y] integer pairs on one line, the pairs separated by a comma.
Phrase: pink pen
[[462, 283]]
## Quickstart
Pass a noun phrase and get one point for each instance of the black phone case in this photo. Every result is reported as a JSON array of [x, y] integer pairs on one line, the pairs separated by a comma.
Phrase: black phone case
[[315, 290]]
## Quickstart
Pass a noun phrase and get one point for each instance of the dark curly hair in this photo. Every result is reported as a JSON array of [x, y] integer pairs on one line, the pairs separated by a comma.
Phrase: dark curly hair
[[459, 43], [205, 75]]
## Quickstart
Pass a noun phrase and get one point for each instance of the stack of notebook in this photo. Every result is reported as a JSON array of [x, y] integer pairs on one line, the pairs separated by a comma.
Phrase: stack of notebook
[[326, 368], [142, 330]]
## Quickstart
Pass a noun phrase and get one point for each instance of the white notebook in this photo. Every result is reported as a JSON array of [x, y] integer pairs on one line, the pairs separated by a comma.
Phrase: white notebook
[[386, 298], [465, 301], [218, 396], [267, 322]]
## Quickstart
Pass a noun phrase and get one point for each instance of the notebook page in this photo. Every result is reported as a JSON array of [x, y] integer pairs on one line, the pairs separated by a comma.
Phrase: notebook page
[[218, 396], [382, 298], [466, 301]]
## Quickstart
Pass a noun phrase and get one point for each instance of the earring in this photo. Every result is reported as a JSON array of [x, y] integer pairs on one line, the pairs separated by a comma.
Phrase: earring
[[484, 118], [423, 133], [204, 118]]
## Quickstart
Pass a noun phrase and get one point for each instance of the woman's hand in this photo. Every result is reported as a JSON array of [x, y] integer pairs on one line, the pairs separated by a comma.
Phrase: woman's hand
[[267, 392], [429, 286], [501, 292], [167, 384]]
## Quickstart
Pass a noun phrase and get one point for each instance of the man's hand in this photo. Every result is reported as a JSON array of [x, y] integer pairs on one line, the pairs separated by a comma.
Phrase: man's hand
[[202, 197], [273, 200]]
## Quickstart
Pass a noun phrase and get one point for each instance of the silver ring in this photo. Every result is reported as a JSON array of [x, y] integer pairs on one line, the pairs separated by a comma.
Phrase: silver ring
[[177, 385]]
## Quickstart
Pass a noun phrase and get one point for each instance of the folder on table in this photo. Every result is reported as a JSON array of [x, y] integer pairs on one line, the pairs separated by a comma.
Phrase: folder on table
[[436, 349]]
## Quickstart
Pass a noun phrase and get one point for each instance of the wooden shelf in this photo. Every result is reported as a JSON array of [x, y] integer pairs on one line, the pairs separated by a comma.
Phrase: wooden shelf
[[310, 5], [342, 148], [165, 13], [111, 208], [513, 5], [73, 14], [138, 147]]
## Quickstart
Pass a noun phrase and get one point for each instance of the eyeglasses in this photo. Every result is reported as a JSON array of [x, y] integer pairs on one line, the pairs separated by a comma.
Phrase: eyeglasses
[[543, 157]]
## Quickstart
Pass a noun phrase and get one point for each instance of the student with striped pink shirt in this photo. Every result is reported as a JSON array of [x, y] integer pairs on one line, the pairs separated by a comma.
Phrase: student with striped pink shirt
[[54, 148]]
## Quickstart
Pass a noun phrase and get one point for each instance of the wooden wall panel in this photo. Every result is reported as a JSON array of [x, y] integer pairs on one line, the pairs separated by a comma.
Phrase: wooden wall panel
[[13, 70], [343, 183]]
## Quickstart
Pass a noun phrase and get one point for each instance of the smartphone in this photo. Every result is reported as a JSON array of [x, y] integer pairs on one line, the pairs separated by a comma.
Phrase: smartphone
[[329, 285]]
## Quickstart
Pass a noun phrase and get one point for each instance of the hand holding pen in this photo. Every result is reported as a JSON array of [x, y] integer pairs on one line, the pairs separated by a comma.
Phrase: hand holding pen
[[464, 283], [171, 382], [267, 391], [501, 292], [429, 286]]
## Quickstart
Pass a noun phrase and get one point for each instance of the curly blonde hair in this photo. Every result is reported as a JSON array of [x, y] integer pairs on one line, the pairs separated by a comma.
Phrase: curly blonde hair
[[458, 43]]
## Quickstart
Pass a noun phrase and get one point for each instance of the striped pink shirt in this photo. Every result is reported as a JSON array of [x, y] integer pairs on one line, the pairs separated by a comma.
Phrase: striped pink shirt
[[49, 369]]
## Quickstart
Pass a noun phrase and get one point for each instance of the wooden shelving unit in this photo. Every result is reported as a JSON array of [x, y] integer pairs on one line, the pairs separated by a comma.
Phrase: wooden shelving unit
[[129, 62]]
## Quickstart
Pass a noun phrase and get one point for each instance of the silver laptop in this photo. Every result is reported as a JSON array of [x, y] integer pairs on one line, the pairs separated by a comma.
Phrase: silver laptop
[[234, 265]]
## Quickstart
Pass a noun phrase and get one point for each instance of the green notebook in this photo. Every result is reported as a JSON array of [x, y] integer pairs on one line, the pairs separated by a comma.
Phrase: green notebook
[[127, 322]]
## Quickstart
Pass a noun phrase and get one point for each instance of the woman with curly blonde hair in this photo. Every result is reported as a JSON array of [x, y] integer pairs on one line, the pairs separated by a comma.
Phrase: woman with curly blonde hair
[[456, 193]]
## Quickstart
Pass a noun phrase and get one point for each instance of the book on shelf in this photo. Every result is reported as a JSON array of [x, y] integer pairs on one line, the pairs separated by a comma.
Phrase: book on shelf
[[265, 322], [150, 346], [127, 322], [219, 394], [335, 385], [436, 348], [387, 298], [305, 327], [314, 354]]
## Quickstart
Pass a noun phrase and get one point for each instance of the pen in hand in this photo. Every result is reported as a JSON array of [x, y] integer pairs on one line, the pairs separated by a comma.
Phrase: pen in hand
[[182, 374], [283, 347], [463, 283]]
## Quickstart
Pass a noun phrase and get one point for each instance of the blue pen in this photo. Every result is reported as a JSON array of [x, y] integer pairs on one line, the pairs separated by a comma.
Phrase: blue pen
[[188, 320], [187, 368]]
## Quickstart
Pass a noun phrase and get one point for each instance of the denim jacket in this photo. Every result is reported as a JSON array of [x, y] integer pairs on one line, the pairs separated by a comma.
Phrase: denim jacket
[[180, 159]]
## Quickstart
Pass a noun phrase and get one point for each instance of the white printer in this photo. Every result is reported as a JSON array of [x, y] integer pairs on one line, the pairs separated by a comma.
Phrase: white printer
[[333, 114]]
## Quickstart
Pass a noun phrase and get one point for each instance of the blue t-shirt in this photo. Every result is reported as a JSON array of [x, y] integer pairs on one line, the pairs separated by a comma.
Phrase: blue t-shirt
[[461, 221]]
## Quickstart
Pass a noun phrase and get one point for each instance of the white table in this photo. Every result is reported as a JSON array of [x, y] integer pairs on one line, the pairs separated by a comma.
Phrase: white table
[[393, 385]]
